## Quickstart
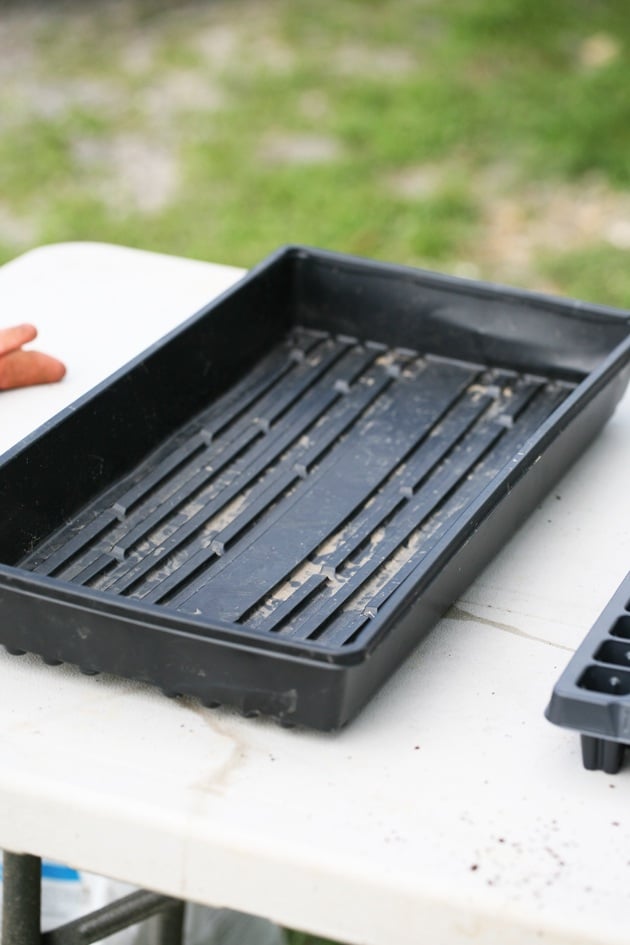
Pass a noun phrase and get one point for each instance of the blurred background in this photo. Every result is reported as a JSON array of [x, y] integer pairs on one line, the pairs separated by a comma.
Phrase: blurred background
[[486, 138]]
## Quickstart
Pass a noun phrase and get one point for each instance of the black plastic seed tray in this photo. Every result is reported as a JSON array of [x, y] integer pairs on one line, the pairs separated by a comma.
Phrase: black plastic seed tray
[[273, 504], [593, 693]]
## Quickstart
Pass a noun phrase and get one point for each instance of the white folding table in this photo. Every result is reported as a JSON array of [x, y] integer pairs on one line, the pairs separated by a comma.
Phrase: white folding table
[[449, 811]]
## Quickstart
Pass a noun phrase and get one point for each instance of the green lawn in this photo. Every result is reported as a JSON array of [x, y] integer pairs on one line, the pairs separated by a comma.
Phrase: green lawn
[[481, 137]]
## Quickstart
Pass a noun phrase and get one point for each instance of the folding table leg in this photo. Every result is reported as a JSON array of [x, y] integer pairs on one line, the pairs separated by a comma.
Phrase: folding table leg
[[21, 911], [170, 926], [21, 899]]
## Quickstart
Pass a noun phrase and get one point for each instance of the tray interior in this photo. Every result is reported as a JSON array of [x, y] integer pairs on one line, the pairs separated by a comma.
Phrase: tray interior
[[298, 501]]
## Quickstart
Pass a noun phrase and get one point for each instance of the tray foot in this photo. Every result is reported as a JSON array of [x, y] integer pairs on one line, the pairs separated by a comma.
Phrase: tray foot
[[600, 754]]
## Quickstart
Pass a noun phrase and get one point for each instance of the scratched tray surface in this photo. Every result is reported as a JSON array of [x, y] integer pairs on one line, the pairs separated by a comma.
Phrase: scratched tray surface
[[593, 693], [298, 502]]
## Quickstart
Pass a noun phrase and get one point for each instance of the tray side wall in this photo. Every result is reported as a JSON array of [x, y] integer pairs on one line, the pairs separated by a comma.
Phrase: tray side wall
[[95, 441], [404, 626], [455, 318], [254, 681]]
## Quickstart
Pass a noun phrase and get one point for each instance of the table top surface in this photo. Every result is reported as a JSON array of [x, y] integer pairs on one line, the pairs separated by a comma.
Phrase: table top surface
[[450, 809]]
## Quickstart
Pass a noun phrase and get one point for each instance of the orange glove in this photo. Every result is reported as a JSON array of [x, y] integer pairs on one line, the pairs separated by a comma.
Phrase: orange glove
[[22, 368]]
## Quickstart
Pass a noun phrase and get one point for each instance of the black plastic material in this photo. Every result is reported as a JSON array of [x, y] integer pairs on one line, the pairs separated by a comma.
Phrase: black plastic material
[[273, 504], [593, 693]]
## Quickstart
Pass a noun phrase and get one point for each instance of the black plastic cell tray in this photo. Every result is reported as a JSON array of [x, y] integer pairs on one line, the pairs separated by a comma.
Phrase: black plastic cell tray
[[274, 503], [593, 693]]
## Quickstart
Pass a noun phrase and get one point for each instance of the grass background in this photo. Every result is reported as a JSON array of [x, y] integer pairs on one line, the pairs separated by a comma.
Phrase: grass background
[[488, 138]]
